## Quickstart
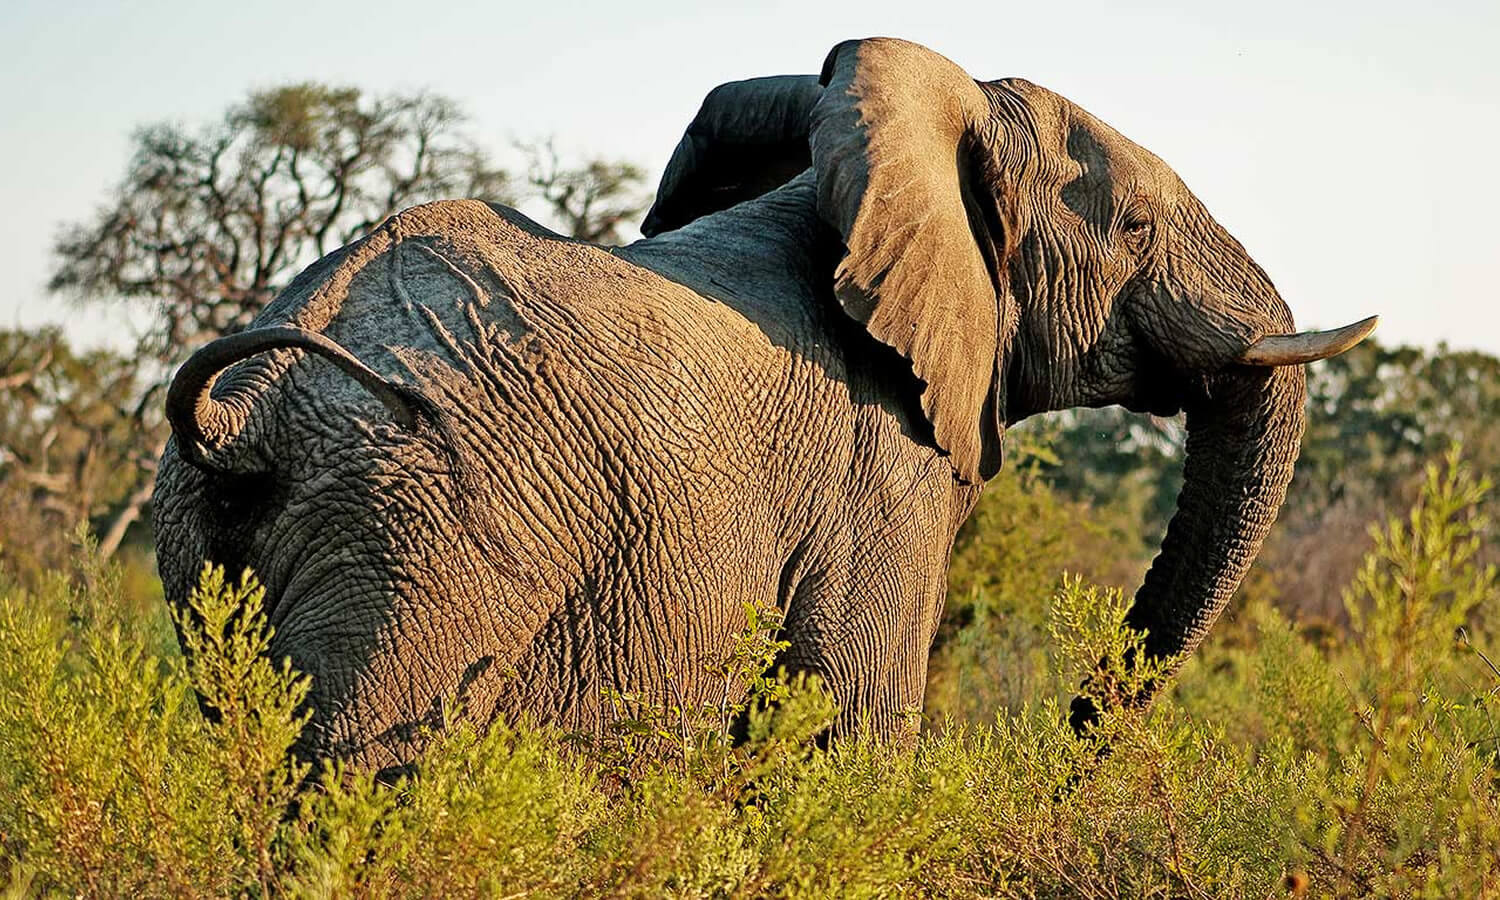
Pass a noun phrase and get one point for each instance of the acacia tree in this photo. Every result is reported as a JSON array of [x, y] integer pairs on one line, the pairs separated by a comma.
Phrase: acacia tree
[[208, 225]]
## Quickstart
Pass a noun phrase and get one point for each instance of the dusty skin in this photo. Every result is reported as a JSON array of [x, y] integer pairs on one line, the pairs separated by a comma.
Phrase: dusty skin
[[475, 461]]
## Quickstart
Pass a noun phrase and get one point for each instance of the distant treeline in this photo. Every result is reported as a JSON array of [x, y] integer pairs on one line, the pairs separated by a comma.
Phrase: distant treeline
[[1376, 416]]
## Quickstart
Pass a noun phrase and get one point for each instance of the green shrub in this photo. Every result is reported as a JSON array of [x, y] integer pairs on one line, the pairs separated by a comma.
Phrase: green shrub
[[990, 654], [1405, 800], [1278, 761]]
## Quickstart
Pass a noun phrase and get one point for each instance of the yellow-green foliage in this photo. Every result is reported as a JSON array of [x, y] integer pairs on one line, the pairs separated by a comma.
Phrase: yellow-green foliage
[[1277, 763], [991, 650]]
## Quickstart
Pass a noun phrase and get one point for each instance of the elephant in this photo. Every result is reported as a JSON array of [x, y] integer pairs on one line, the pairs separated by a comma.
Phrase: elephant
[[478, 463]]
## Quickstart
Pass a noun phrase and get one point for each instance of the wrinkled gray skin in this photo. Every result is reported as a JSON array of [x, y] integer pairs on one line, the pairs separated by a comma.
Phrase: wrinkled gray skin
[[556, 468]]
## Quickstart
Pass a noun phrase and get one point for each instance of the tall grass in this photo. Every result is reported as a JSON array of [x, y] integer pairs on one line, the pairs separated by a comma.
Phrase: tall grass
[[1280, 763]]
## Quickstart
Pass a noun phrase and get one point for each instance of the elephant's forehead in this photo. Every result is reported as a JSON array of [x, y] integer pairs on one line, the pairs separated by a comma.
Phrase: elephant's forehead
[[1077, 144]]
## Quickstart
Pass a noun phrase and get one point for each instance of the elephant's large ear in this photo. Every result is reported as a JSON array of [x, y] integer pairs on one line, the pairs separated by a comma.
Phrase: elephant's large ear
[[748, 138], [892, 141]]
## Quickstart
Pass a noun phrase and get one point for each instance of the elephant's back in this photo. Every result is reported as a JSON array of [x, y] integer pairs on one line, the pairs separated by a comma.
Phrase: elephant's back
[[579, 319], [593, 389], [484, 274], [657, 448]]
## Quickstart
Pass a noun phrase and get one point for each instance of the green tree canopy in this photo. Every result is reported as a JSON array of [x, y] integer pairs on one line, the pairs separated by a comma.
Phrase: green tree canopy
[[69, 446]]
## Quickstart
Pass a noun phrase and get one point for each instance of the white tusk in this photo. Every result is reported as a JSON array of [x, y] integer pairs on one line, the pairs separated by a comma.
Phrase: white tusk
[[1307, 346]]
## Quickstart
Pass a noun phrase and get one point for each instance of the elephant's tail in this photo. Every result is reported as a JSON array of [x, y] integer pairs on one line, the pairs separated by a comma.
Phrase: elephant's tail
[[204, 424]]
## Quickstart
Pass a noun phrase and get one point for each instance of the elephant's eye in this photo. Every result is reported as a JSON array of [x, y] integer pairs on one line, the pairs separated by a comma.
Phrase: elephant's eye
[[1136, 227]]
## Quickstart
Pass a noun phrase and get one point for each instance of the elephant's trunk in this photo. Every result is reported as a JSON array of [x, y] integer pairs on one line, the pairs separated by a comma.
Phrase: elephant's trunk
[[1243, 438], [204, 424], [1242, 443], [1218, 319]]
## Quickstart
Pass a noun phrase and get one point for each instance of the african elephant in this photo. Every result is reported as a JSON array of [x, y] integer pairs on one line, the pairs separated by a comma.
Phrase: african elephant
[[473, 459]]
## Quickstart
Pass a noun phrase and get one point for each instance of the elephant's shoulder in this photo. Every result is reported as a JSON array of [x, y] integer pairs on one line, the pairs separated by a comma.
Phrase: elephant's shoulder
[[740, 278]]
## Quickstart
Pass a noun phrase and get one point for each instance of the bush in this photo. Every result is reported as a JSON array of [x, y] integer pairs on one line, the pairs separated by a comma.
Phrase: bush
[[990, 654], [1279, 762]]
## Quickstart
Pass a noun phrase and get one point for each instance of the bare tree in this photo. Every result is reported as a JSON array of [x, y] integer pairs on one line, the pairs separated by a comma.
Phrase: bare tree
[[591, 201]]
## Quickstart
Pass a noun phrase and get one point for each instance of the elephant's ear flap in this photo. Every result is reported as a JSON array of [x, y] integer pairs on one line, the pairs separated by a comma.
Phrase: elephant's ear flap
[[748, 138], [892, 141]]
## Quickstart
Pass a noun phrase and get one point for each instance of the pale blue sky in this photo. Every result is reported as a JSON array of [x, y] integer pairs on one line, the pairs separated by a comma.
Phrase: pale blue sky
[[1351, 146]]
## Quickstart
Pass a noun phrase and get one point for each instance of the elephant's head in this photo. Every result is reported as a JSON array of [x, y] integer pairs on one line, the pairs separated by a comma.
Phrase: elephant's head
[[1023, 256]]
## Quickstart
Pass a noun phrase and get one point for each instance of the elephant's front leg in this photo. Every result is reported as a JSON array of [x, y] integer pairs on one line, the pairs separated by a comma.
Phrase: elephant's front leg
[[864, 624]]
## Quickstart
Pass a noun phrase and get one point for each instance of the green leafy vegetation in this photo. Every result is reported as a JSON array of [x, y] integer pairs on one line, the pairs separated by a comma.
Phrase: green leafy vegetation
[[1284, 760]]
